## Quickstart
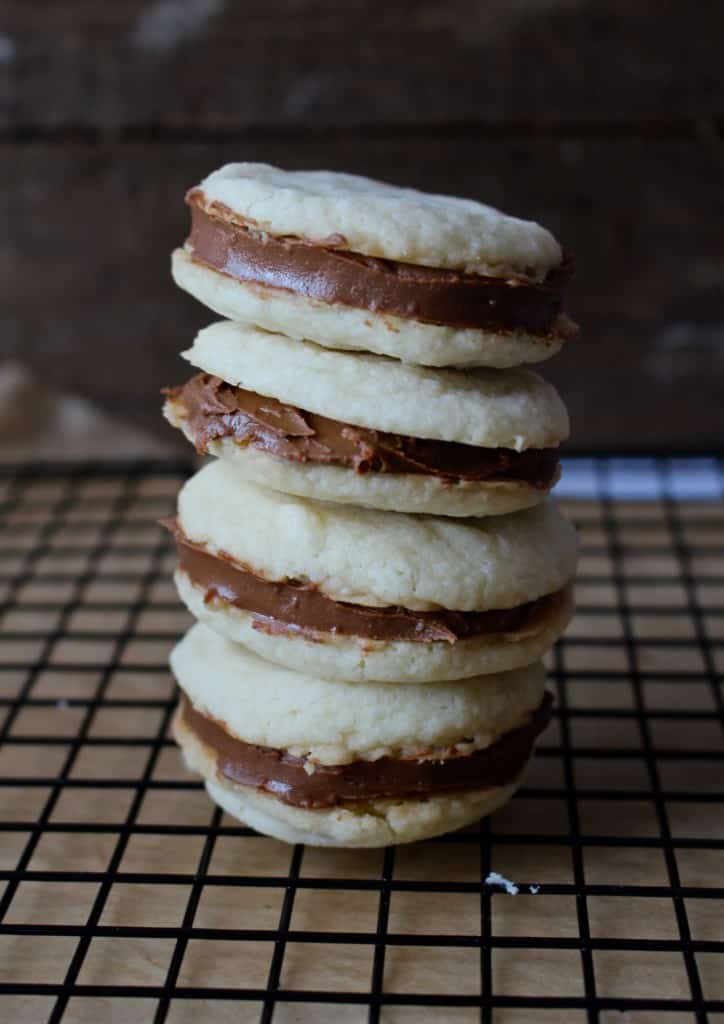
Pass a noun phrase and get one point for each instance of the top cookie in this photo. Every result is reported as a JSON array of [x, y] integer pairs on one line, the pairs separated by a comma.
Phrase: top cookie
[[356, 264], [366, 216]]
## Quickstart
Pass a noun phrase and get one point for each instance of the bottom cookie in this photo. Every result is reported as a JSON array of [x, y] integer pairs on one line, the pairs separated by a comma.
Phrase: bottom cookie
[[374, 823]]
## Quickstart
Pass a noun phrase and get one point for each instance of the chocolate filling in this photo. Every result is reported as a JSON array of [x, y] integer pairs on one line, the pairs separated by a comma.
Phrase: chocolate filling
[[214, 409], [326, 273], [293, 606], [284, 776]]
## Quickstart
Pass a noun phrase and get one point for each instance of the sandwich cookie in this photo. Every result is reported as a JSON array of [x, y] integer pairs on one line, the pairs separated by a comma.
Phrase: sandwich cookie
[[340, 764], [353, 263], [370, 431], [357, 594]]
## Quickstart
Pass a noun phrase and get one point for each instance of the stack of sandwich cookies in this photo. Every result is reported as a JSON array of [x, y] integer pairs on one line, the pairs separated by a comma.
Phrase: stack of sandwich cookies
[[372, 557]]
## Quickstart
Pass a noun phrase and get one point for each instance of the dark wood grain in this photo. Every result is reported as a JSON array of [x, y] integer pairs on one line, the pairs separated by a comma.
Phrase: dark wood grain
[[89, 229], [218, 64], [600, 118]]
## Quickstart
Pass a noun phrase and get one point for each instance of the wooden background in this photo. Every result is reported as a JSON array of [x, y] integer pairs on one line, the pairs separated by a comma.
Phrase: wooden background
[[602, 119]]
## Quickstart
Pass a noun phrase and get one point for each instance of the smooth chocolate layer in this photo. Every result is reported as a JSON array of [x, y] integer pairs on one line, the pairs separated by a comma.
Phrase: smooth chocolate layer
[[296, 607], [214, 409], [328, 273], [285, 777]]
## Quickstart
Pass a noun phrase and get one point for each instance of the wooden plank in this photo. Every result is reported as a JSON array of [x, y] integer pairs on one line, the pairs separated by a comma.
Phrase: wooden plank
[[91, 306], [214, 63]]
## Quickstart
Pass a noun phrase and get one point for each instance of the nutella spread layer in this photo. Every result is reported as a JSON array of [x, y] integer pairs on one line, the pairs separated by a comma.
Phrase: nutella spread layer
[[213, 409], [327, 273], [296, 607], [294, 781]]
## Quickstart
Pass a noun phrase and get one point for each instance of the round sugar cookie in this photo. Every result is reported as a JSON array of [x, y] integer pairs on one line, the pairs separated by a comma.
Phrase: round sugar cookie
[[516, 409], [341, 722], [488, 440], [376, 558], [353, 562], [383, 220]]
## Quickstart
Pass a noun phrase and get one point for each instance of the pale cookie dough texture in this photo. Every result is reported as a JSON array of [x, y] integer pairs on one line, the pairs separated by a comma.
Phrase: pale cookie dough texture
[[379, 220], [379, 558], [383, 220], [342, 327], [486, 408], [335, 722], [341, 722]]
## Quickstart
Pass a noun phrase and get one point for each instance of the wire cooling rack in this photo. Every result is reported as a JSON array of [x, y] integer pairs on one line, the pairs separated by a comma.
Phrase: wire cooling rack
[[128, 897]]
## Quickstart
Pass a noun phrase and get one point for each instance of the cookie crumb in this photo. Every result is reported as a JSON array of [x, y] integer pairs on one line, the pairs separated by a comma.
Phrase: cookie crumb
[[496, 879]]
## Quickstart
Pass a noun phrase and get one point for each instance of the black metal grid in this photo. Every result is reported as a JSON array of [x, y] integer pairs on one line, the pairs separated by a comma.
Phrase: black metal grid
[[129, 897]]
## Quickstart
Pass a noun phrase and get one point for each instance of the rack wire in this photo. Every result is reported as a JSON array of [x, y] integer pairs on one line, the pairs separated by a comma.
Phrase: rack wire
[[129, 897]]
